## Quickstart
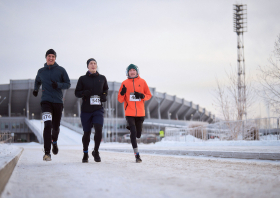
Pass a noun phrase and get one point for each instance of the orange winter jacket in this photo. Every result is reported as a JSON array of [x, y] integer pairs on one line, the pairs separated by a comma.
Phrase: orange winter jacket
[[134, 108]]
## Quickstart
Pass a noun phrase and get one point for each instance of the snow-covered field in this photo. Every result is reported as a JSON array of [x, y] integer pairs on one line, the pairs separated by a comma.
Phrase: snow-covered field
[[69, 137], [190, 138]]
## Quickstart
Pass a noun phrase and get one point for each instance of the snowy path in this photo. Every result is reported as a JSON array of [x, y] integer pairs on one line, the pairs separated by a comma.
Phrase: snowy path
[[158, 176]]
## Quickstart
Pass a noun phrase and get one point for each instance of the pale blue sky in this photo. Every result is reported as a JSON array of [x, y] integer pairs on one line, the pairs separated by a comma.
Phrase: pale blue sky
[[179, 46]]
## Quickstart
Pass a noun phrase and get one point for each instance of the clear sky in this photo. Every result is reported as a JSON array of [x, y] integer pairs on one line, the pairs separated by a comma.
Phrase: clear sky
[[180, 46]]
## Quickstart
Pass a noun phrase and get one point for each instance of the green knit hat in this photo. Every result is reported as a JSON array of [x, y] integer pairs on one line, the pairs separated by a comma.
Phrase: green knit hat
[[132, 66]]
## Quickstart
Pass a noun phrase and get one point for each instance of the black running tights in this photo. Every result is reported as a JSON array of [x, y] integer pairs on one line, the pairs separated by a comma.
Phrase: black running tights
[[51, 128], [135, 124], [97, 137]]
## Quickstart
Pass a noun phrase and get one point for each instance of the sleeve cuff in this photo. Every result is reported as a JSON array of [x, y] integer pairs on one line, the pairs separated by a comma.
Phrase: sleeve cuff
[[59, 85]]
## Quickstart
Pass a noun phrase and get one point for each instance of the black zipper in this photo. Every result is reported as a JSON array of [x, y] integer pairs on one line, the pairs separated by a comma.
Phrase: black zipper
[[51, 80], [126, 106], [135, 101]]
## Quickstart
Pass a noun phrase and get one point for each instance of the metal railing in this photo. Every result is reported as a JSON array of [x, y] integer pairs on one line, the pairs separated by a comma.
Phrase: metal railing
[[253, 129], [6, 137]]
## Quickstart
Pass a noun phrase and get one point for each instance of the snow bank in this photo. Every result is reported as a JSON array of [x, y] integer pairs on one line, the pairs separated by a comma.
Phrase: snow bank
[[193, 142], [7, 152]]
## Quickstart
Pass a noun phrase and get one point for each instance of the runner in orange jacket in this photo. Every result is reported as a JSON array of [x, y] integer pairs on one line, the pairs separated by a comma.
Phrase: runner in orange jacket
[[134, 91]]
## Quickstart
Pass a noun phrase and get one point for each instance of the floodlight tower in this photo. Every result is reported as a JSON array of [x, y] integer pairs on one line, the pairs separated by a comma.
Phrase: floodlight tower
[[240, 26]]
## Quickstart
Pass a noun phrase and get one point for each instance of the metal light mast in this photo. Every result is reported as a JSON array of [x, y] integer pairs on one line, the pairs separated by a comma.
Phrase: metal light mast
[[240, 26]]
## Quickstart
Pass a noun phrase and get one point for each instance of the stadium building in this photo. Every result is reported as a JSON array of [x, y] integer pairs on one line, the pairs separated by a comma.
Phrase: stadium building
[[18, 106]]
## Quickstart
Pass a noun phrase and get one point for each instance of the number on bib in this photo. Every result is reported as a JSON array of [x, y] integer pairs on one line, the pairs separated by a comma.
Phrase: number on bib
[[95, 100], [133, 98], [46, 116]]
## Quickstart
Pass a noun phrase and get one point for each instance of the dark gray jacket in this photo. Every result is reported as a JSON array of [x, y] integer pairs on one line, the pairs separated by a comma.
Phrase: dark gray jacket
[[45, 76]]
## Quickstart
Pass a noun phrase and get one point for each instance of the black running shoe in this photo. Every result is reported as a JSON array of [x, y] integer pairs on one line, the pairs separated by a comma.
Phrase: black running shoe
[[138, 159], [85, 158], [54, 148], [96, 156]]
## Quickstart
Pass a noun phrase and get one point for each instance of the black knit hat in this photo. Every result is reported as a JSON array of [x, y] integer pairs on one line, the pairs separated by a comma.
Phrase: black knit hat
[[91, 59], [50, 51]]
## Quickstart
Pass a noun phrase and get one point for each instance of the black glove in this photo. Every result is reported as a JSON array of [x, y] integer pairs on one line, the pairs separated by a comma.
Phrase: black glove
[[87, 93], [103, 97], [54, 85], [35, 93], [139, 95], [123, 90]]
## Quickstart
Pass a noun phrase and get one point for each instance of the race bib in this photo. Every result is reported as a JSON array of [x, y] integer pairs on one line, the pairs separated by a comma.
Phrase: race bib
[[133, 98], [46, 116], [95, 100]]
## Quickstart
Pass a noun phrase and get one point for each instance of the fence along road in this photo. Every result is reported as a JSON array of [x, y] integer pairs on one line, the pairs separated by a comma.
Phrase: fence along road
[[253, 129]]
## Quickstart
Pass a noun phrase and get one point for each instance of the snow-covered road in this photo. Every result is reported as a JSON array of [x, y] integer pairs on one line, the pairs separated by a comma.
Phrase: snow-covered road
[[158, 176]]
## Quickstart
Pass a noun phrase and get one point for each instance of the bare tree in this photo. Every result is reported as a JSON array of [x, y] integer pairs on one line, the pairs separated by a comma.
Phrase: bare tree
[[226, 102], [226, 97], [269, 78]]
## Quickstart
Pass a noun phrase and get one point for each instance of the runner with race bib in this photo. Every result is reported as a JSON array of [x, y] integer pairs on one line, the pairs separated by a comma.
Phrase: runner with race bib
[[134, 91], [93, 89], [53, 79]]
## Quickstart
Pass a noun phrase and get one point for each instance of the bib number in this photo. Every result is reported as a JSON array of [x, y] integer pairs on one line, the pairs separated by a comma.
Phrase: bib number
[[133, 98], [95, 100], [46, 116]]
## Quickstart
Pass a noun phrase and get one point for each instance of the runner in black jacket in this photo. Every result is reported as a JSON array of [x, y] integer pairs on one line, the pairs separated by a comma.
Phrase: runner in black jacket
[[53, 79], [93, 88]]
